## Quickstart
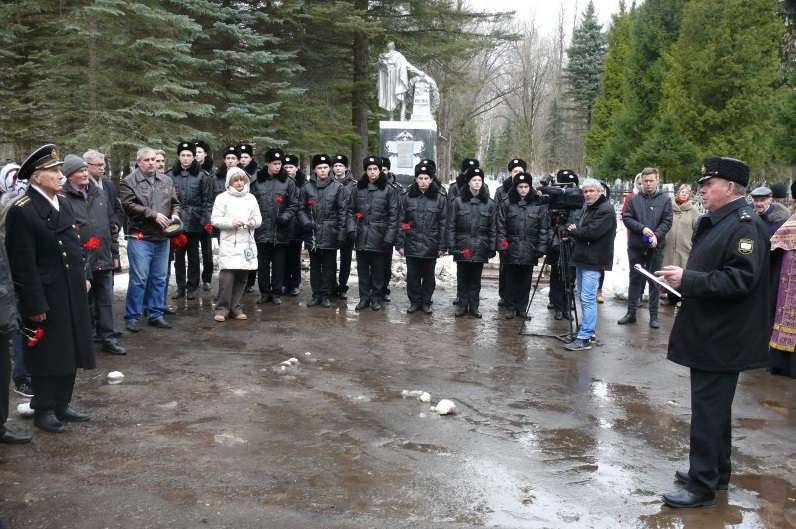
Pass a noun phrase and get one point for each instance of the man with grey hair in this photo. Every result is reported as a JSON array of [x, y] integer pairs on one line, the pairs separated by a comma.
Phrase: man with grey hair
[[593, 252], [96, 166], [151, 204]]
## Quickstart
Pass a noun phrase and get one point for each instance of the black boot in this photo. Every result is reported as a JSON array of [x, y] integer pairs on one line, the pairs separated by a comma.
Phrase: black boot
[[461, 309], [363, 304], [630, 317], [47, 421]]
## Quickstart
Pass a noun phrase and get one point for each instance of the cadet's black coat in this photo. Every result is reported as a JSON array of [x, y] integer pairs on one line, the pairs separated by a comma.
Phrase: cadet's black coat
[[524, 226], [422, 224], [594, 236], [47, 265], [472, 228], [724, 323], [196, 191], [278, 201], [297, 228], [324, 213], [373, 218], [94, 217]]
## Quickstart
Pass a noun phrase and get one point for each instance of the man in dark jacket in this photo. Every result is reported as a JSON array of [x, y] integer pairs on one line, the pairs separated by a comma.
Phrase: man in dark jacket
[[96, 166], [349, 183], [196, 191], [150, 202], [724, 324], [278, 200], [94, 219], [46, 257], [373, 224], [772, 213], [593, 252], [648, 218]]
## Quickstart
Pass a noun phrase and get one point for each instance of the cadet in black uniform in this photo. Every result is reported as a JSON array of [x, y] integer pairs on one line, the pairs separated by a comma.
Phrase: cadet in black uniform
[[349, 183], [723, 325]]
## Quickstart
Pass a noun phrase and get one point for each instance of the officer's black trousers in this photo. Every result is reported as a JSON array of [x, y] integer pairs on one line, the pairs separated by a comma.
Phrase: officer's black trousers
[[323, 268], [293, 265], [207, 257], [5, 380], [502, 277], [271, 268], [346, 252], [519, 279], [370, 268], [651, 259], [711, 429], [53, 392], [192, 251], [470, 282], [420, 280]]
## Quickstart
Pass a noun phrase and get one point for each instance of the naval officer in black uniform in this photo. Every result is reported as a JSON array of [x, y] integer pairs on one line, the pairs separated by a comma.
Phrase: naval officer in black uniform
[[723, 326], [48, 267]]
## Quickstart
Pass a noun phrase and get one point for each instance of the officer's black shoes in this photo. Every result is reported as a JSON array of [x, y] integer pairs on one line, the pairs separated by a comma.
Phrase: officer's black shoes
[[627, 318], [376, 305], [509, 314], [48, 422], [326, 302], [13, 438], [160, 323], [474, 312], [316, 300], [681, 476], [461, 310], [112, 347], [654, 323], [559, 315], [414, 307], [190, 294], [133, 326], [179, 295], [578, 344], [363, 304], [427, 309], [685, 499], [276, 300], [72, 415]]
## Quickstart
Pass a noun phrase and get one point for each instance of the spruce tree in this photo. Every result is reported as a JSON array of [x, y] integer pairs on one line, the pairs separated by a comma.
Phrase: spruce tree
[[584, 69]]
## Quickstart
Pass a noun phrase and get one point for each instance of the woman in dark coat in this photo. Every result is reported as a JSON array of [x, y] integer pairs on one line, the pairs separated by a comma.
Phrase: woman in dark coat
[[48, 266], [522, 231], [373, 224], [471, 234], [323, 214], [421, 236]]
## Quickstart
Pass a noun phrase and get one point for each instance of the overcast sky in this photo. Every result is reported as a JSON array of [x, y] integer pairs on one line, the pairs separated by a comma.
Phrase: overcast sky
[[545, 12]]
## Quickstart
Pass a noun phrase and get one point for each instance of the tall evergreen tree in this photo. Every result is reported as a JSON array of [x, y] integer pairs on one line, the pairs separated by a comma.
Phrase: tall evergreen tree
[[584, 69]]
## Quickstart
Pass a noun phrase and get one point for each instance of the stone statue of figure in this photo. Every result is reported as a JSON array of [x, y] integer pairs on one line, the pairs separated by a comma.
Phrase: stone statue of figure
[[394, 81], [425, 97]]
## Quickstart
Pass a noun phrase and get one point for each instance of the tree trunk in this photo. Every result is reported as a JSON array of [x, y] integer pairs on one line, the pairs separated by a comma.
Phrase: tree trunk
[[359, 93]]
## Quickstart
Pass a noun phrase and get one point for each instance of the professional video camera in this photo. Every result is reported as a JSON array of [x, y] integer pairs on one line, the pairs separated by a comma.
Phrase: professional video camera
[[562, 192]]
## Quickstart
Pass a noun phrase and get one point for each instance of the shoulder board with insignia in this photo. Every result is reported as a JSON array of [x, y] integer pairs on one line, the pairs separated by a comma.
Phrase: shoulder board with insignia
[[744, 215], [22, 201]]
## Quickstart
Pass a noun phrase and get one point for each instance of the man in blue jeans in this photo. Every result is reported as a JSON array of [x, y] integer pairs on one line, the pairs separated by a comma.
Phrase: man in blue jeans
[[593, 253], [150, 201]]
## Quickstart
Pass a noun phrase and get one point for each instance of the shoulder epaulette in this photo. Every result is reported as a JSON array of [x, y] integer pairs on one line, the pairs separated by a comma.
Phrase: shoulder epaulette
[[22, 201], [744, 215]]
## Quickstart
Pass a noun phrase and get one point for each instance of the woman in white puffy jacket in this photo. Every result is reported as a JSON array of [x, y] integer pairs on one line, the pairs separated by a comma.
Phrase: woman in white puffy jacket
[[235, 214]]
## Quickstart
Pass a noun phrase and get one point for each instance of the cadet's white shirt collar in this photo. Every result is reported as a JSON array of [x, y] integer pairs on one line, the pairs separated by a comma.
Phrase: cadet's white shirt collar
[[53, 201]]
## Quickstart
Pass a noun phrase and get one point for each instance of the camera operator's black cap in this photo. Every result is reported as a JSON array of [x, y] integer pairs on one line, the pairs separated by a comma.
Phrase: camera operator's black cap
[[45, 157], [246, 148], [290, 159], [724, 167], [516, 162], [340, 158], [470, 163], [232, 149], [186, 146], [522, 178], [566, 176], [274, 155], [779, 190], [426, 169]]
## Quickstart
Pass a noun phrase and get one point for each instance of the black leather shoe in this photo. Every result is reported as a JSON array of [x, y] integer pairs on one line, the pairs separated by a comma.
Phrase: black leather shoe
[[179, 295], [685, 499], [427, 308], [72, 415], [48, 422], [627, 318], [681, 476], [114, 348], [160, 323], [376, 305], [133, 326], [363, 304], [276, 300], [475, 313], [414, 307], [326, 302], [316, 300], [13, 438], [654, 323]]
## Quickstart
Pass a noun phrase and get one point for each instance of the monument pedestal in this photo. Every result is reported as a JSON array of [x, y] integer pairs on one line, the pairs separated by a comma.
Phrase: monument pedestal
[[405, 143]]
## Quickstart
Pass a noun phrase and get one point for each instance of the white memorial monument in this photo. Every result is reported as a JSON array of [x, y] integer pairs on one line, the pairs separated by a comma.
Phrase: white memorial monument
[[406, 142]]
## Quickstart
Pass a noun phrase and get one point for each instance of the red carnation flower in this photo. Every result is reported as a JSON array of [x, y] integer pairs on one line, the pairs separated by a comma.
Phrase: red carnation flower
[[504, 244], [33, 336], [279, 198], [209, 228], [92, 244], [139, 236], [180, 241], [406, 226], [359, 215], [311, 202], [467, 253]]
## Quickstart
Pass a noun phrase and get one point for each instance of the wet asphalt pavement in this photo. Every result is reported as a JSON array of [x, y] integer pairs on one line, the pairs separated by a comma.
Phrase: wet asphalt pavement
[[208, 431]]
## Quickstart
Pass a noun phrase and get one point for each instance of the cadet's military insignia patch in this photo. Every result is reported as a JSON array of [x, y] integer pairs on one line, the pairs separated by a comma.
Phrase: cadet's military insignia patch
[[746, 246]]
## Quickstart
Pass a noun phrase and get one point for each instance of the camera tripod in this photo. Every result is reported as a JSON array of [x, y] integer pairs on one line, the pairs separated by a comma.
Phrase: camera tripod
[[569, 297]]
